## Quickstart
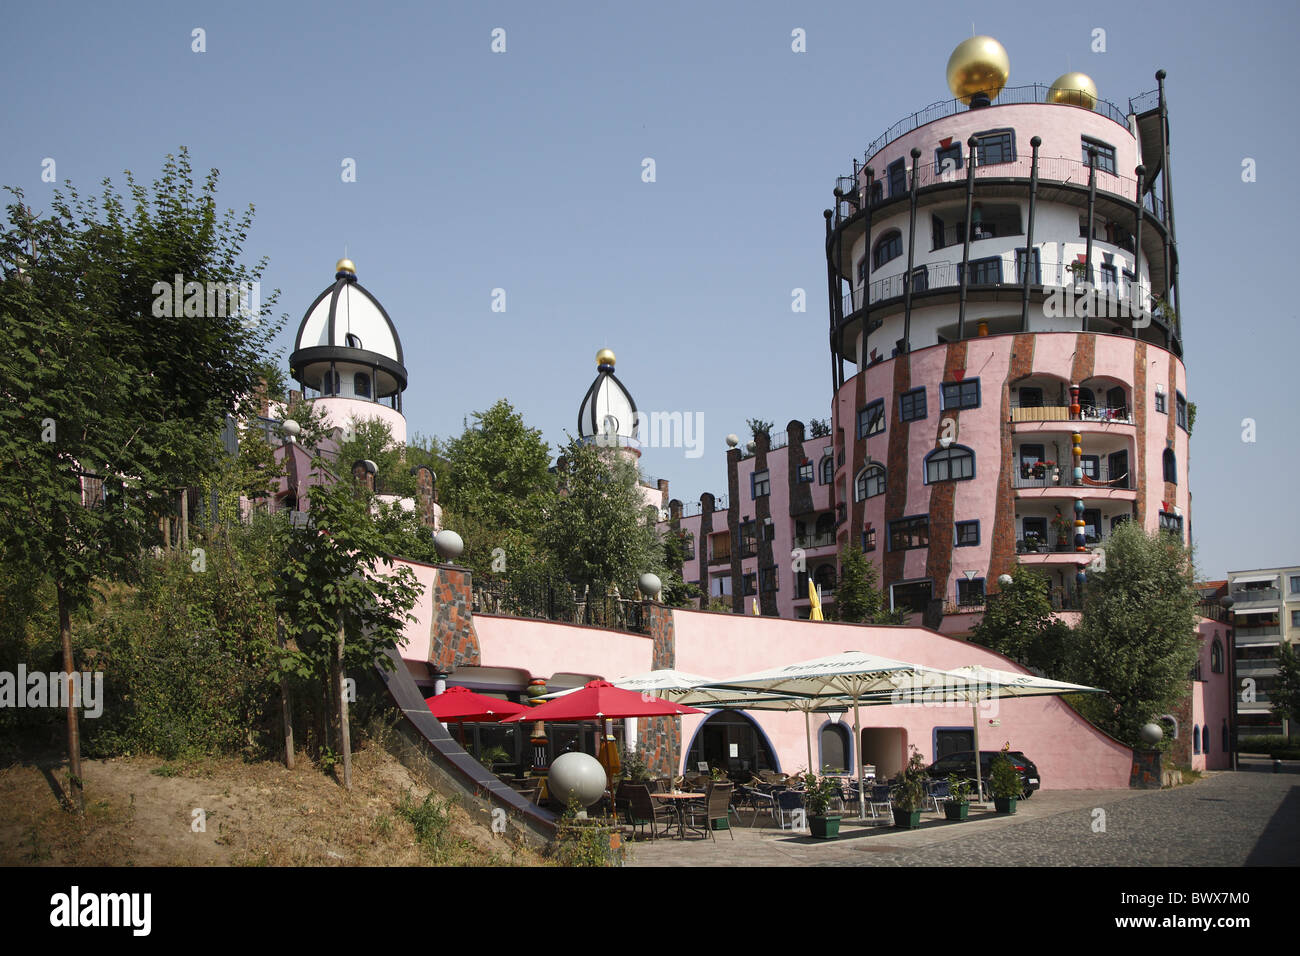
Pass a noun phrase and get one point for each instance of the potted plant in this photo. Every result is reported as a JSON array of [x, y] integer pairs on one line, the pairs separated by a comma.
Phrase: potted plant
[[819, 793], [909, 794], [957, 806], [1062, 526], [1031, 542], [1006, 783]]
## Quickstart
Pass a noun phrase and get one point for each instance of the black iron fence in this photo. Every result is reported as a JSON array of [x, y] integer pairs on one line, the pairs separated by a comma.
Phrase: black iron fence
[[562, 603]]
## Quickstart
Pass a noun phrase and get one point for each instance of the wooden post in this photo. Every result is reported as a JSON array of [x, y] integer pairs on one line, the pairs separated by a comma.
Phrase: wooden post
[[286, 707], [344, 737]]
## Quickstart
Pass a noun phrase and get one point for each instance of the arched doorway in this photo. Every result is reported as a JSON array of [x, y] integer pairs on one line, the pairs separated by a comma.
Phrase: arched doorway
[[732, 741]]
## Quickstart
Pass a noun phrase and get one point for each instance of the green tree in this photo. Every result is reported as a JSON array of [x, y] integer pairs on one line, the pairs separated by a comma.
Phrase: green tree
[[1284, 697], [1018, 622], [96, 383], [598, 531], [857, 598], [1137, 637], [372, 439]]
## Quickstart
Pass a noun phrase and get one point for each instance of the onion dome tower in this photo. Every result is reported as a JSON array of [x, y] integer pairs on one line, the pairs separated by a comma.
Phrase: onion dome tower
[[607, 415], [348, 357]]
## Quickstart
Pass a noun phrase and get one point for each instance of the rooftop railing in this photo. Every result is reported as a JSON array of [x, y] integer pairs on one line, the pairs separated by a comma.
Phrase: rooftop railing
[[564, 604], [1120, 415]]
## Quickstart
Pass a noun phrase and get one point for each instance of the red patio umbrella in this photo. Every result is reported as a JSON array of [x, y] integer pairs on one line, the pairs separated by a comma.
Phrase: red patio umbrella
[[459, 704], [601, 700]]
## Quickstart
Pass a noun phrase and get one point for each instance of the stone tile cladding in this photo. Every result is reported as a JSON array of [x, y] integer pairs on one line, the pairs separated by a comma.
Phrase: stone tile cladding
[[660, 738], [452, 639]]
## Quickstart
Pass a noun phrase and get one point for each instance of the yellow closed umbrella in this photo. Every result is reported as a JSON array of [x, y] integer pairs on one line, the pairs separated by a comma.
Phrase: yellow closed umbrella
[[815, 614], [756, 614]]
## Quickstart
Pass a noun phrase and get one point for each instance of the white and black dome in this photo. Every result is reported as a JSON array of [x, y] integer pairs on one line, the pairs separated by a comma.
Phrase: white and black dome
[[608, 408], [347, 332]]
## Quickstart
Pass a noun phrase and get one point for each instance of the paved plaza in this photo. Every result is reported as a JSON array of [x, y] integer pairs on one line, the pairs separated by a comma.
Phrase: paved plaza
[[1247, 818]]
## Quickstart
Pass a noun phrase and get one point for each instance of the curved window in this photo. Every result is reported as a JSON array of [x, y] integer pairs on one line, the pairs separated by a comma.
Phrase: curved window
[[835, 754], [1216, 656], [731, 740], [950, 464], [1086, 397], [889, 246], [1205, 739], [1171, 466], [352, 341], [871, 482], [828, 470], [1196, 739], [361, 385]]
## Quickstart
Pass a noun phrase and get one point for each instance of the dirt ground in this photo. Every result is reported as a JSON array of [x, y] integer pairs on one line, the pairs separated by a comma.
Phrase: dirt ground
[[143, 812]]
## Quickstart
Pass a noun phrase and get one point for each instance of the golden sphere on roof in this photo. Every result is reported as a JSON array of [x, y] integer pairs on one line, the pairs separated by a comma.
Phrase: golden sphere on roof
[[604, 357], [978, 65], [1074, 89], [345, 265]]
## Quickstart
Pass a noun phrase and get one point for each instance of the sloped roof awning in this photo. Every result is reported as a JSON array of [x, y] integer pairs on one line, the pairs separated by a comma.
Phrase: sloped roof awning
[[1255, 579]]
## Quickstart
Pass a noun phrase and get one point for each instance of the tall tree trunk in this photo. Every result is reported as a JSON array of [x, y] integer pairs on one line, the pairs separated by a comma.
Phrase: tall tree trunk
[[344, 737], [75, 795]]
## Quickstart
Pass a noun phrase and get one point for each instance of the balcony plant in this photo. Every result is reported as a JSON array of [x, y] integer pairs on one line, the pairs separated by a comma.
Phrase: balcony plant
[[1032, 542], [1061, 525], [1006, 785], [957, 806], [818, 794], [909, 793]]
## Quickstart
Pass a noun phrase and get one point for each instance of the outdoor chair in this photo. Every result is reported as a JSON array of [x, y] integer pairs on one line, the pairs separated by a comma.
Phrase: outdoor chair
[[878, 801], [760, 801], [642, 811], [938, 790], [787, 802], [715, 806]]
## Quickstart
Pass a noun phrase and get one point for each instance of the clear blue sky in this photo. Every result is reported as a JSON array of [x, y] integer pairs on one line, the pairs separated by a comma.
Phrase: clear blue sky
[[522, 171]]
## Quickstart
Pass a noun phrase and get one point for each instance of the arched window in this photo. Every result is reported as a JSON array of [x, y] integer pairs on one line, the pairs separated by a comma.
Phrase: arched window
[[1196, 739], [361, 385], [1171, 725], [828, 470], [1086, 398], [871, 482], [1216, 656], [352, 341], [956, 463], [835, 749], [330, 383], [889, 246], [1205, 739], [1171, 466]]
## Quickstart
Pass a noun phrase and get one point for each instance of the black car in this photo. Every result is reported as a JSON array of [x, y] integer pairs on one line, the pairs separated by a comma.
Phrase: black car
[[962, 763]]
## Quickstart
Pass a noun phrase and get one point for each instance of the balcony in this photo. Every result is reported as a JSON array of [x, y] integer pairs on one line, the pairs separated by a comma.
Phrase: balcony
[[1245, 634], [1053, 476], [808, 541], [1032, 545], [1257, 668], [1061, 413], [1256, 595]]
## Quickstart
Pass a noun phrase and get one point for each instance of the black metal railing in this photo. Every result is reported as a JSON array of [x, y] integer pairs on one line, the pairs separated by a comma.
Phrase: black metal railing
[[1026, 475], [1051, 169], [1053, 545], [560, 603], [814, 540], [1116, 414], [1144, 102], [1212, 610]]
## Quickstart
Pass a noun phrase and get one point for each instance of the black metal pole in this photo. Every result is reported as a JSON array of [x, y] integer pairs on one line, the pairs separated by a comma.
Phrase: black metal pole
[[833, 291], [1167, 217], [1029, 235], [1092, 215], [971, 159], [911, 256], [1140, 172], [863, 355]]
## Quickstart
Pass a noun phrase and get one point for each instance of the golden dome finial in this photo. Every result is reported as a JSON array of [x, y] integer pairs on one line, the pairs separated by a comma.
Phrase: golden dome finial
[[1074, 89], [978, 65], [346, 265], [605, 357]]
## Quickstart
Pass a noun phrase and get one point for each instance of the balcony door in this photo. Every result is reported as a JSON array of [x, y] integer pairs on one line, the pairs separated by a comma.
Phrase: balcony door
[[1117, 462]]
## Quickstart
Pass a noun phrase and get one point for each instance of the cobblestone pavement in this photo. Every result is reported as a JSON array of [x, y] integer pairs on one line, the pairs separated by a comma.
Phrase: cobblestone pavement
[[1247, 818]]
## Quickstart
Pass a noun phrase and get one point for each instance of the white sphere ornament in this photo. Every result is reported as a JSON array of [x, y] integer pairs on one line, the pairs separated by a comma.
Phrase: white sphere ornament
[[1151, 734], [449, 545], [1004, 579], [291, 428], [576, 776], [733, 440], [650, 585]]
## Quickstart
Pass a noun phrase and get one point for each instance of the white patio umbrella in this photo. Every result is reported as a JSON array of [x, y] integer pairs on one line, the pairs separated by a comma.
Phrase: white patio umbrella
[[974, 683], [853, 676]]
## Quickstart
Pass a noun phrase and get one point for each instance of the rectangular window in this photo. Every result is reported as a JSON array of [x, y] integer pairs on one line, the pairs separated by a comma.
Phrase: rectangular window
[[911, 405], [1295, 584], [984, 271], [1160, 403], [767, 579], [749, 584], [871, 420], [1031, 397], [1037, 277], [968, 533], [963, 394], [862, 271], [805, 471], [748, 539], [995, 147], [970, 593], [908, 533], [920, 279], [869, 540], [760, 485], [1171, 523], [1091, 464], [688, 546], [1104, 152], [1182, 411], [1295, 618], [947, 160], [877, 191], [897, 178], [1109, 279], [720, 585]]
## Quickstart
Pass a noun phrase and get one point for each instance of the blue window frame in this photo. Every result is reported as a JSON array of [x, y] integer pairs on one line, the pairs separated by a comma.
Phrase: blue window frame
[[908, 533], [828, 470], [1105, 154], [1160, 403], [870, 482], [869, 540], [970, 593], [871, 420], [995, 146], [911, 405], [1171, 466], [1020, 267], [897, 173], [888, 247], [1181, 410], [955, 463], [968, 534], [952, 153], [805, 473], [963, 394], [983, 271], [760, 484]]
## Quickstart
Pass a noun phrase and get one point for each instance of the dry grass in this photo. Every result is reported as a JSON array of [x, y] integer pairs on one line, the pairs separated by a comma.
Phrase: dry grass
[[141, 812]]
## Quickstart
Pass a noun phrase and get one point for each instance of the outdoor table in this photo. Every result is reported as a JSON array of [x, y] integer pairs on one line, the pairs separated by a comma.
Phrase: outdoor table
[[679, 798]]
